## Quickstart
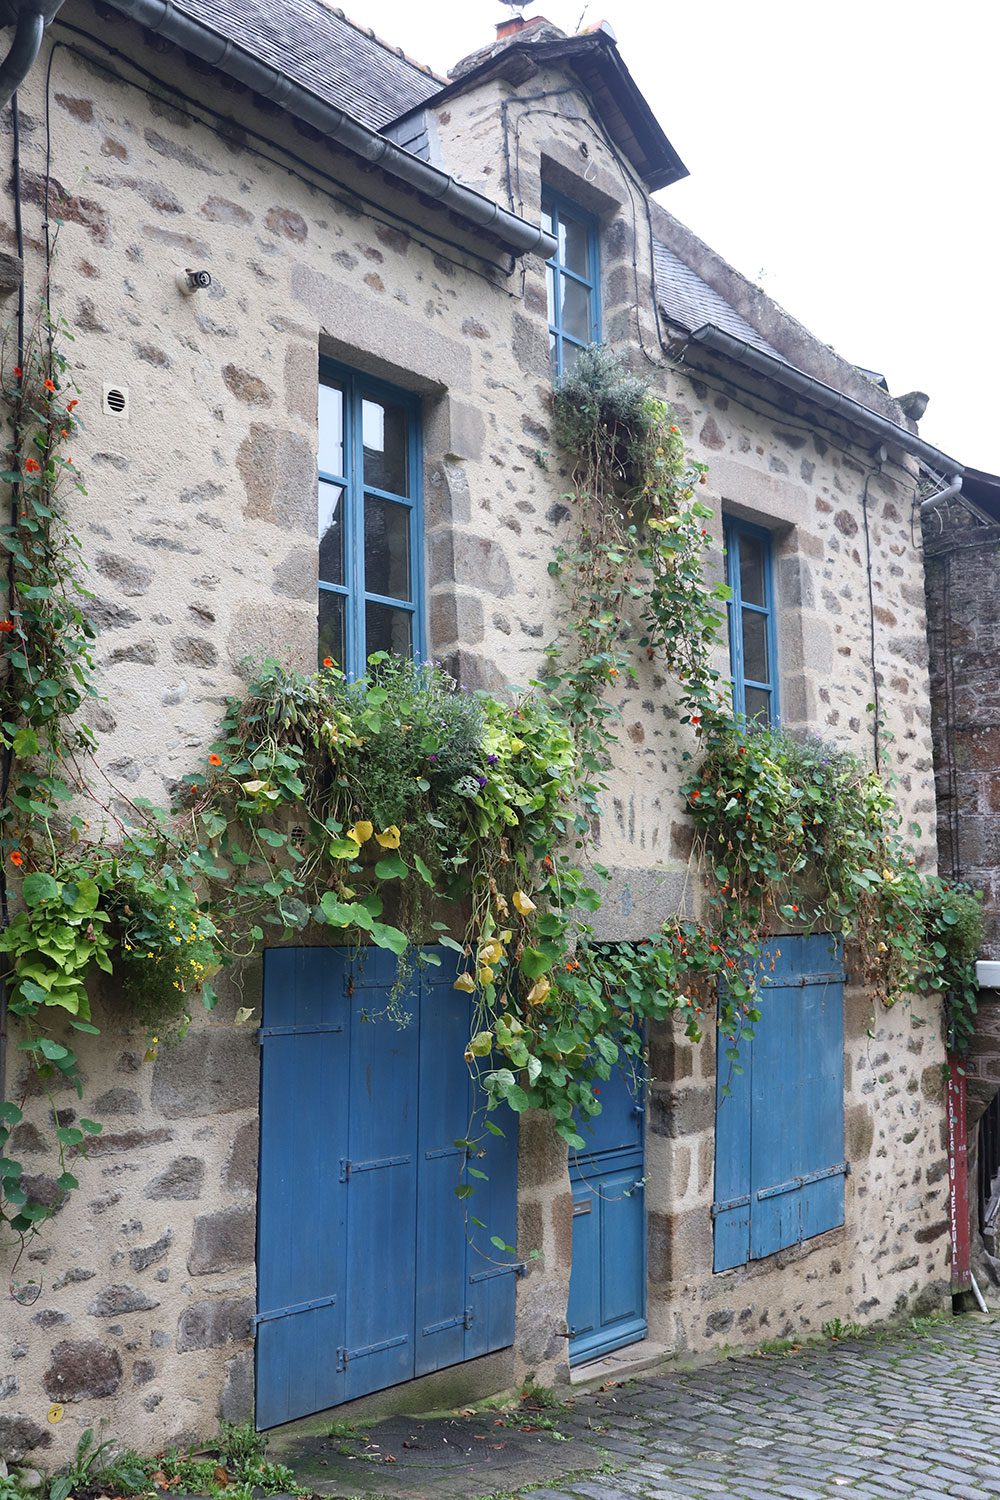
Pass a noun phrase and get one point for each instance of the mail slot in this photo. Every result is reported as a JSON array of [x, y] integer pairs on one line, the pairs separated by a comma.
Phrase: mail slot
[[583, 1206]]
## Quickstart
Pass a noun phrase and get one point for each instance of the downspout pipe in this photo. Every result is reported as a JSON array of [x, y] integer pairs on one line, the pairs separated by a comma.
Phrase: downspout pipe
[[951, 489], [14, 69], [823, 395], [514, 234]]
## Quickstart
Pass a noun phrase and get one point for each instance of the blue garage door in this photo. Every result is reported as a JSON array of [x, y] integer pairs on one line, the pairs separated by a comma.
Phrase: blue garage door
[[607, 1290], [369, 1271], [779, 1132]]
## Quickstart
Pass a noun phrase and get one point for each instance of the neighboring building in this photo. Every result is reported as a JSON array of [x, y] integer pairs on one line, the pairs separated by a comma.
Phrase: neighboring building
[[962, 550], [359, 278]]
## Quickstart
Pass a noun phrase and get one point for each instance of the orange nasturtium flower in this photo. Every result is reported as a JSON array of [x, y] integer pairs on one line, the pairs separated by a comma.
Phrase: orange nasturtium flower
[[70, 405], [6, 626], [328, 661], [31, 465], [50, 385], [16, 857], [215, 760]]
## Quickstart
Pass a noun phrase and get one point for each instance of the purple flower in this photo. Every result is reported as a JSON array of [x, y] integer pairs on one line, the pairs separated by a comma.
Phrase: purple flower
[[432, 760], [482, 781], [492, 759]]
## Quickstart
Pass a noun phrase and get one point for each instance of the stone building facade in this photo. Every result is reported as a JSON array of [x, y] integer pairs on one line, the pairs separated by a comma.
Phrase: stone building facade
[[199, 527]]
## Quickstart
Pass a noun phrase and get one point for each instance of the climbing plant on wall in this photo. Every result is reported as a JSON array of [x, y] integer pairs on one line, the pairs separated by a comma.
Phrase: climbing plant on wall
[[402, 812]]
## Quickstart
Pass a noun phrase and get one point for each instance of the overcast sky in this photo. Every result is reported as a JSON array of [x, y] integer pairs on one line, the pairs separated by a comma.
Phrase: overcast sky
[[844, 156]]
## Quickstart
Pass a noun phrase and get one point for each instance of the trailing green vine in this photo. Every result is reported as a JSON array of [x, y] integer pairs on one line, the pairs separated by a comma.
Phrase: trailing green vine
[[402, 812]]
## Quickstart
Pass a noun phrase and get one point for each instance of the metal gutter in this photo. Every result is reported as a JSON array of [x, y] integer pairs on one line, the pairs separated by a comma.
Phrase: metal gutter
[[817, 391], [164, 19], [28, 31]]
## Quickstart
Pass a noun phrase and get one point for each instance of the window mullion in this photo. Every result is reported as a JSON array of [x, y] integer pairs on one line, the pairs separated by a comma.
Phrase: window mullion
[[358, 657]]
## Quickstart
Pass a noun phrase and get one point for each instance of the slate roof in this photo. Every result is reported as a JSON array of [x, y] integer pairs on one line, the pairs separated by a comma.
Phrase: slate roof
[[318, 47], [691, 303]]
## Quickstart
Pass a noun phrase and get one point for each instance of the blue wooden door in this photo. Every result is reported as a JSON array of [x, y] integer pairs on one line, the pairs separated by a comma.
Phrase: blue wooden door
[[779, 1135], [607, 1290], [369, 1271]]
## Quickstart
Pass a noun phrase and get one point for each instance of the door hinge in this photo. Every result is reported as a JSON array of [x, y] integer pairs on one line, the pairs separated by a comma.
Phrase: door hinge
[[347, 1167]]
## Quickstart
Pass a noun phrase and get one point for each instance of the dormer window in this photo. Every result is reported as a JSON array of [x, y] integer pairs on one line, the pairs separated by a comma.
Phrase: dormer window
[[573, 280]]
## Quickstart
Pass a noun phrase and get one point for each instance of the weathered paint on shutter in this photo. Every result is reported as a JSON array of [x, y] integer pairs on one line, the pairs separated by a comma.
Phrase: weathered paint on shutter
[[780, 1132], [368, 1273]]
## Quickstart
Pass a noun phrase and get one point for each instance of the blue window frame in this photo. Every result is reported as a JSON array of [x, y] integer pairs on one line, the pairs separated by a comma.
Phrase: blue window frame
[[573, 281], [370, 520], [752, 626]]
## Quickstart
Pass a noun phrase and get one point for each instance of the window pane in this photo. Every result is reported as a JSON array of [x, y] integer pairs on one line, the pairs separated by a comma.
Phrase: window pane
[[554, 353], [574, 246], [331, 532], [331, 429], [571, 353], [547, 220], [387, 548], [331, 626], [550, 283], [576, 310], [383, 433], [751, 569], [757, 705], [755, 663], [387, 629]]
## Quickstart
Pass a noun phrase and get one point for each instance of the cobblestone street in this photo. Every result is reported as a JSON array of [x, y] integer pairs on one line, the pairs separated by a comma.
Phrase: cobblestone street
[[912, 1415]]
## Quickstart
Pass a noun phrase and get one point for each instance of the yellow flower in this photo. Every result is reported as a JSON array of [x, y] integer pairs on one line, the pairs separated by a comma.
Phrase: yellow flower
[[465, 982], [361, 832], [389, 837], [485, 974], [516, 745], [523, 904], [888, 875], [538, 991], [491, 952]]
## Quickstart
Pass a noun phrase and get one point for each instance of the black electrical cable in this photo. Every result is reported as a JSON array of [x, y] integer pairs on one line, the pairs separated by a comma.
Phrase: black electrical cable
[[7, 762], [876, 696]]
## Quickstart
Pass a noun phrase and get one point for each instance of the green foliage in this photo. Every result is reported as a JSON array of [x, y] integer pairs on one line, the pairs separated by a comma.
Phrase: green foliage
[[402, 812], [86, 1465]]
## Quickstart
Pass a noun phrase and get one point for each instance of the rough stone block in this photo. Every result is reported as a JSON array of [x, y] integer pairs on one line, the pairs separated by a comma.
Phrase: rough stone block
[[240, 1174], [82, 1370], [182, 1180], [680, 1112], [214, 1072], [20, 1435], [211, 1324], [113, 1301], [236, 1401], [222, 1241]]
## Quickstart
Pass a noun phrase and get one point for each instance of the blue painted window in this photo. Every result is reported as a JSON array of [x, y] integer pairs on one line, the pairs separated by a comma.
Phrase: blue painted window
[[573, 281], [779, 1128], [370, 520], [752, 632]]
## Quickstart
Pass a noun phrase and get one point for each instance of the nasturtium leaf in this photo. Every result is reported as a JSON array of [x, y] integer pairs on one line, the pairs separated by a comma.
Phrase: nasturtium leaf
[[38, 887], [391, 868]]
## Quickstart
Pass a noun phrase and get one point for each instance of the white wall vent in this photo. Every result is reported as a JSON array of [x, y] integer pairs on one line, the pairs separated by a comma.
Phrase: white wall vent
[[114, 401]]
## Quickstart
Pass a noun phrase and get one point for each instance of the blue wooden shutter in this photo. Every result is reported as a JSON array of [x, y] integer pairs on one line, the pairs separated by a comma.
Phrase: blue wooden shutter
[[731, 1210], [302, 1209], [378, 1348], [780, 1152], [466, 1287]]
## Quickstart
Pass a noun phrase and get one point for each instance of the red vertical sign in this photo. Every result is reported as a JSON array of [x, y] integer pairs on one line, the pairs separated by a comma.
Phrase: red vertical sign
[[958, 1173]]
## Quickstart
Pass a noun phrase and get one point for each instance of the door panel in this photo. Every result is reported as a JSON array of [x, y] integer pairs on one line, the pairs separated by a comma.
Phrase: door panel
[[368, 1271], [607, 1294]]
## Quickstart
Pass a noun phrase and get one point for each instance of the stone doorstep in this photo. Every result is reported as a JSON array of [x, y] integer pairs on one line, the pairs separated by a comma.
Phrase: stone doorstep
[[622, 1364]]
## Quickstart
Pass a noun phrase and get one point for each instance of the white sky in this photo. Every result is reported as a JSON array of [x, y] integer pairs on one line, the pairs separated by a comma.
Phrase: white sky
[[843, 155]]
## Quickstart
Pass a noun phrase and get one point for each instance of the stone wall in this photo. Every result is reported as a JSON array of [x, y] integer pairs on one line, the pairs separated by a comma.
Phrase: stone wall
[[963, 580], [199, 527]]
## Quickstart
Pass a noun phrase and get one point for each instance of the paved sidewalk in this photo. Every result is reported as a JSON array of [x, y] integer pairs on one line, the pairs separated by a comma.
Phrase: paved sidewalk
[[910, 1416]]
